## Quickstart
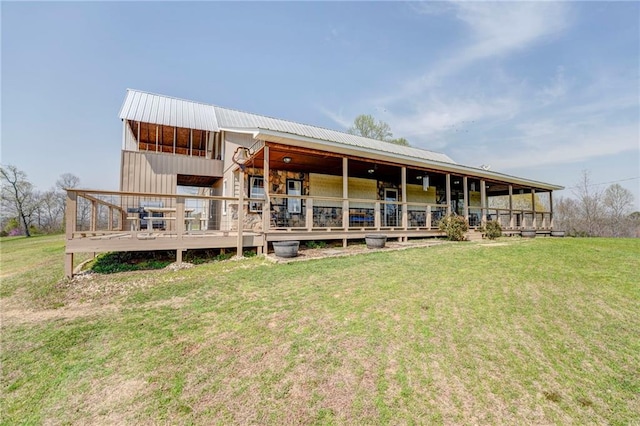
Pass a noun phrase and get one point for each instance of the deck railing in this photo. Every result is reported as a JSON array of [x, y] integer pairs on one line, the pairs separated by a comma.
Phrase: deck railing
[[94, 212]]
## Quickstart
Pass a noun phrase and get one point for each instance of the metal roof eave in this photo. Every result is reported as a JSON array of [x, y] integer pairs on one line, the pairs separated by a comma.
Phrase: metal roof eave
[[306, 142]]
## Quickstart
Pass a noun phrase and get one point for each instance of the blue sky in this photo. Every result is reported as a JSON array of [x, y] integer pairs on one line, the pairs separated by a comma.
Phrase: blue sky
[[539, 90]]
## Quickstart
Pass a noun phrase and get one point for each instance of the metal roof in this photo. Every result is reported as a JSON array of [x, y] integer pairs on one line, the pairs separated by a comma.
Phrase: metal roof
[[158, 109], [229, 118]]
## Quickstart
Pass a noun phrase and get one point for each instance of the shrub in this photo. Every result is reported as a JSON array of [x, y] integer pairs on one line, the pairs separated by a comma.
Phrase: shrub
[[454, 226], [492, 230], [315, 244]]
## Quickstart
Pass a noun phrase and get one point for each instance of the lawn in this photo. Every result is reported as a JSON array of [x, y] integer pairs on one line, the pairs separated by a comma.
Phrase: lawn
[[541, 331]]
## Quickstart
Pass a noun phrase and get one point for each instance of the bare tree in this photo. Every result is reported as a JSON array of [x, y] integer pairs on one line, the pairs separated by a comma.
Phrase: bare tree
[[589, 205], [18, 195], [618, 202]]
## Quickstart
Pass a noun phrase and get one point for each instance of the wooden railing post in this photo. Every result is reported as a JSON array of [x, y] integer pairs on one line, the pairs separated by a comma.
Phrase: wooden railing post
[[428, 218], [376, 216], [179, 227], [71, 214], [94, 215], [309, 214]]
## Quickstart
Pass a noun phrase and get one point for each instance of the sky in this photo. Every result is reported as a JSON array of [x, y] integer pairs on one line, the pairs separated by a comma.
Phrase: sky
[[541, 90]]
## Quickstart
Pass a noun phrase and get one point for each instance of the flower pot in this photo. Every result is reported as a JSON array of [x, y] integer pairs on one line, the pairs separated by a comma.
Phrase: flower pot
[[557, 233], [375, 241], [286, 248], [528, 233]]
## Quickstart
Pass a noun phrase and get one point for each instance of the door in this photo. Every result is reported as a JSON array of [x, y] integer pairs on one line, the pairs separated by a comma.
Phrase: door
[[391, 211]]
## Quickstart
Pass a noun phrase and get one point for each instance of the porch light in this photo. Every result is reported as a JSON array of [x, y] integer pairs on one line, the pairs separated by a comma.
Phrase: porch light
[[287, 160], [371, 171], [419, 177]]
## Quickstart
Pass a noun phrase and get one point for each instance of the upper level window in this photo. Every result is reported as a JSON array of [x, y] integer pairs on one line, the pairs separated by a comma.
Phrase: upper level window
[[256, 190]]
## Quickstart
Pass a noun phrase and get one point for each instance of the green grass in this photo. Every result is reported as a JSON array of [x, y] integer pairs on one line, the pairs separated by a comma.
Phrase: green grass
[[515, 332]]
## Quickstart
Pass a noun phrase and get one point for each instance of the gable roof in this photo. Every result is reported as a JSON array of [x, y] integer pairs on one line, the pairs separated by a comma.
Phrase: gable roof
[[165, 110]]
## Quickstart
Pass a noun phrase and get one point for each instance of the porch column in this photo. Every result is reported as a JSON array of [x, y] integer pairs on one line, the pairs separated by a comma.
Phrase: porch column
[[266, 207], [239, 246], [448, 190], [376, 216], [179, 227], [551, 208], [511, 224], [405, 213], [345, 197], [70, 222], [483, 201], [94, 215], [465, 194], [533, 208]]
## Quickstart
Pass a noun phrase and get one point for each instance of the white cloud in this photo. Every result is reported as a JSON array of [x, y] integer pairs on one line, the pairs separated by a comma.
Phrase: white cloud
[[556, 90]]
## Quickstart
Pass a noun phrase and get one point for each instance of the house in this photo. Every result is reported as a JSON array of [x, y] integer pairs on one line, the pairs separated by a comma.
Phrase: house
[[191, 172]]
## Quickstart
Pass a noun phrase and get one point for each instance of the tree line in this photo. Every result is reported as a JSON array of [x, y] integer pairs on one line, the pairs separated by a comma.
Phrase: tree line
[[593, 212], [26, 210]]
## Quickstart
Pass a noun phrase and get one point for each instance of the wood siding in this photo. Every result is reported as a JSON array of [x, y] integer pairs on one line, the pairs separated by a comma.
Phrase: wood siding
[[155, 172]]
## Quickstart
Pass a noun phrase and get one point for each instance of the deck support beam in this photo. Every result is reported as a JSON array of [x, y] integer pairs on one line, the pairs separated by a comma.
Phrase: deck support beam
[[483, 201], [345, 197], [266, 207], [405, 213], [465, 196], [70, 222], [448, 191], [240, 212], [511, 224]]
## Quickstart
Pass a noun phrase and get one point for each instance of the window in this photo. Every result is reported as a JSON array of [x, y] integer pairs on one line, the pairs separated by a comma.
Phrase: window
[[256, 190], [224, 194], [294, 187]]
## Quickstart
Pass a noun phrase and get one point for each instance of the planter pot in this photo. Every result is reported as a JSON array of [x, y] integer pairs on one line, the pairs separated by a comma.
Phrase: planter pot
[[286, 248], [557, 233], [375, 241], [528, 233]]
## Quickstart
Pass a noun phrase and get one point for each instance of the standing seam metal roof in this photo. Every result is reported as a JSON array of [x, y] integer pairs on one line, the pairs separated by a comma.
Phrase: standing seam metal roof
[[159, 109]]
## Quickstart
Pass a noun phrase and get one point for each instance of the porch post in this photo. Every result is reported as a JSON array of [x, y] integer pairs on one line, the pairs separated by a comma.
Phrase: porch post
[[376, 216], [428, 218], [345, 197], [551, 208], [465, 194], [94, 215], [70, 222], [239, 245], [511, 224], [534, 225], [179, 227], [448, 189], [483, 201], [266, 207], [405, 215]]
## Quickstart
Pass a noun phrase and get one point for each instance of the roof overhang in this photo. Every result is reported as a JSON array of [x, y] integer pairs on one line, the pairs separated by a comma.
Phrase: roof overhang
[[317, 144]]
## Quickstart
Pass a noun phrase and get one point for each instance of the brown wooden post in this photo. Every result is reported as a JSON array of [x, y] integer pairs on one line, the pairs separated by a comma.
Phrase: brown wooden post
[[70, 221], [511, 224], [110, 224], [448, 190], [309, 214], [428, 218], [94, 215], [465, 195], [179, 227], [405, 213], [483, 201], [376, 216], [533, 208], [551, 208], [345, 197], [266, 207], [239, 252]]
